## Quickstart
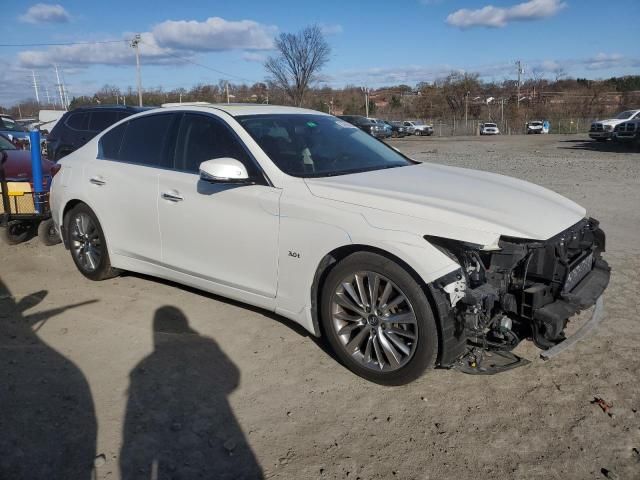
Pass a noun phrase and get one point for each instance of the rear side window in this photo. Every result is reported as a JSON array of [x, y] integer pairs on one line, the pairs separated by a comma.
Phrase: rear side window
[[144, 140], [100, 121], [201, 138], [78, 121], [109, 147]]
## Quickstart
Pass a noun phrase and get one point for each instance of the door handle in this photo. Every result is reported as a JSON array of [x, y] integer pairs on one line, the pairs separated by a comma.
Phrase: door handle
[[97, 181], [172, 196]]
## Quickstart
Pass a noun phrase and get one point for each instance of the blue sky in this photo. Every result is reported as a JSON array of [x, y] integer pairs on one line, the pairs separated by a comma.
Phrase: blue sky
[[374, 43]]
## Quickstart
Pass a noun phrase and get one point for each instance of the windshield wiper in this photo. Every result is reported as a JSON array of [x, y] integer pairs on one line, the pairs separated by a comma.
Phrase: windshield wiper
[[349, 172]]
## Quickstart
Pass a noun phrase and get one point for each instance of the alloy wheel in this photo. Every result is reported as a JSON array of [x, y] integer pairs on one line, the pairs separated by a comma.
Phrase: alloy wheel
[[86, 244], [374, 321]]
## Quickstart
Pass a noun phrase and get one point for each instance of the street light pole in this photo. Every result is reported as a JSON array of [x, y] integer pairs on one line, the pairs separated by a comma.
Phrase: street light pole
[[135, 44]]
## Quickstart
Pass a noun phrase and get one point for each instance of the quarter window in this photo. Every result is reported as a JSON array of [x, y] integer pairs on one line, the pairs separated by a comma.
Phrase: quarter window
[[109, 147]]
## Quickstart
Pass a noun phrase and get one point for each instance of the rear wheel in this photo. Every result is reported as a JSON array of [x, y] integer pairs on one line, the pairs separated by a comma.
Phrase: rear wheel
[[87, 244], [377, 319], [418, 133]]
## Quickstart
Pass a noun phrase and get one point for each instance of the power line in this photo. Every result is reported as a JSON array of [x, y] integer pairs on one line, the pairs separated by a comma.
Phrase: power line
[[8, 45], [226, 74]]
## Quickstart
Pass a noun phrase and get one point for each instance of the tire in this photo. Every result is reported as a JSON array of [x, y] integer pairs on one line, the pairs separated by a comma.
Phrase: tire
[[16, 232], [353, 337], [417, 133], [47, 233], [87, 244]]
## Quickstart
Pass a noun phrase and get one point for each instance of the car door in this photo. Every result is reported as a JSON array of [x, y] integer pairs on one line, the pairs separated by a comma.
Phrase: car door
[[123, 184], [226, 233]]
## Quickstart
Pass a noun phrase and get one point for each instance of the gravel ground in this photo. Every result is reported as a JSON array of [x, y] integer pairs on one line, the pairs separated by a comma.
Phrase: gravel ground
[[139, 378]]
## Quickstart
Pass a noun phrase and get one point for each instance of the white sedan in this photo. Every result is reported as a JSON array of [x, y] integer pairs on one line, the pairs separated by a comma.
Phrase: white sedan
[[400, 265]]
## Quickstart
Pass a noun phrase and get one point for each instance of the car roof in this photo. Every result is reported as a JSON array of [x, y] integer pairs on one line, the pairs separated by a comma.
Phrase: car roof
[[239, 109], [126, 108]]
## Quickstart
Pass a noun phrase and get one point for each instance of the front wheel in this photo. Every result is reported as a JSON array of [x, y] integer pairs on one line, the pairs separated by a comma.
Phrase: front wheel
[[87, 244], [377, 320], [48, 233]]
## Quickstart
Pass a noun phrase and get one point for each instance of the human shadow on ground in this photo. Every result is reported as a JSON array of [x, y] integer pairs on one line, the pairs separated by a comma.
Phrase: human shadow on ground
[[178, 422], [47, 416], [595, 146]]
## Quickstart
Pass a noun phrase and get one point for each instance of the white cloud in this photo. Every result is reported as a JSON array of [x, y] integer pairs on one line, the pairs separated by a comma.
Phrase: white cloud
[[496, 17], [331, 28], [46, 13], [165, 44], [98, 54], [214, 34]]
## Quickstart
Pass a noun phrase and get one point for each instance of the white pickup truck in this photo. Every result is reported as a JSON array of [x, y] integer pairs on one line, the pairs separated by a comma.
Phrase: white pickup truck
[[602, 130]]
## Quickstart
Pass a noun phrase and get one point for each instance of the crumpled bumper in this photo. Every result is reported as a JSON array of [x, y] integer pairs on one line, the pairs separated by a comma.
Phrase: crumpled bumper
[[584, 295]]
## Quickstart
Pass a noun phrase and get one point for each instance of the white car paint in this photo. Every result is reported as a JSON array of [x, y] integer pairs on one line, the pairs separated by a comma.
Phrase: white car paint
[[489, 129], [603, 129], [262, 244]]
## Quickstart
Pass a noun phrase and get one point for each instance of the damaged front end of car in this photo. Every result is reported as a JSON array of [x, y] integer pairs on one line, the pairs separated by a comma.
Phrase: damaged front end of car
[[518, 289]]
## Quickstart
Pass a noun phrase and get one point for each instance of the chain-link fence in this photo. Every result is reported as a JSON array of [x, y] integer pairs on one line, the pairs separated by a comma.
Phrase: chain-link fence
[[455, 127]]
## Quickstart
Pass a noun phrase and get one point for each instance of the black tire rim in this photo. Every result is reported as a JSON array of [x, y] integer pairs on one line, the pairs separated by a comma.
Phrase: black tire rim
[[86, 244]]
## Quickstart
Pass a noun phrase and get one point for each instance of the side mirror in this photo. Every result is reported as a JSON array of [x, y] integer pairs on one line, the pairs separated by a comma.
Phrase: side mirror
[[223, 170]]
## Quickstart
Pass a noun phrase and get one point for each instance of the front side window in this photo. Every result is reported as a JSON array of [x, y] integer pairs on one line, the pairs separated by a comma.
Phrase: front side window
[[102, 120], [319, 145], [144, 140], [201, 138], [78, 121]]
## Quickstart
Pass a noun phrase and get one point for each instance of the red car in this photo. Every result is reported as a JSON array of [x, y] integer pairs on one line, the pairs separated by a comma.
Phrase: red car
[[17, 166]]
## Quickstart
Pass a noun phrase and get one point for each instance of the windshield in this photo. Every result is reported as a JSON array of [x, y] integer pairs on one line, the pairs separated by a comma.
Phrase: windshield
[[10, 125], [5, 144], [536, 124], [490, 125], [319, 145], [623, 115]]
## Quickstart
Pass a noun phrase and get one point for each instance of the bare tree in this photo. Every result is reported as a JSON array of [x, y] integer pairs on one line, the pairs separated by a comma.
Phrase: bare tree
[[300, 58]]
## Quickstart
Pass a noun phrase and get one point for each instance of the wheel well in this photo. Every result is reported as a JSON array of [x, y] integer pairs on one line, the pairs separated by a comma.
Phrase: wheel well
[[335, 256], [67, 208]]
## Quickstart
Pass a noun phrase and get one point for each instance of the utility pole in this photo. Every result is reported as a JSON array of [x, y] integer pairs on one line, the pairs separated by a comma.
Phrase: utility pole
[[46, 91], [520, 72], [35, 86], [502, 112], [135, 44], [466, 111], [226, 88], [366, 101], [59, 85]]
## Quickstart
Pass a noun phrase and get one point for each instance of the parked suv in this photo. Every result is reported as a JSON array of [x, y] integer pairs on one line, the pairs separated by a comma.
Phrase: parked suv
[[368, 125], [80, 125], [401, 265], [417, 127], [602, 130]]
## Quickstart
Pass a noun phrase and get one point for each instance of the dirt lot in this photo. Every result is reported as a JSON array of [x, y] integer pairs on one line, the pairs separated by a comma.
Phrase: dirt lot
[[133, 368]]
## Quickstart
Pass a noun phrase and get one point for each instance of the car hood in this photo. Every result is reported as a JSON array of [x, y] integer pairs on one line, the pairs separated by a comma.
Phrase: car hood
[[452, 201], [611, 121]]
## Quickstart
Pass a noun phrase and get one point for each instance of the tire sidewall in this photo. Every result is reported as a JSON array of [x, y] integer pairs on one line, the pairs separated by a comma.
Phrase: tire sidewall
[[104, 266], [427, 349]]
